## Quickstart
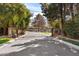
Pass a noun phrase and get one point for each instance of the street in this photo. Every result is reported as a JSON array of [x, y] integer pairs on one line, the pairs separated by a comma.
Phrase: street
[[36, 44]]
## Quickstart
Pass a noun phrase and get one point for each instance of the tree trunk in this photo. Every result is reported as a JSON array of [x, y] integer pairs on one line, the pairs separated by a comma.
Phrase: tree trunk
[[62, 20], [4, 31], [64, 6], [22, 31], [52, 32], [1, 31], [72, 11], [17, 32]]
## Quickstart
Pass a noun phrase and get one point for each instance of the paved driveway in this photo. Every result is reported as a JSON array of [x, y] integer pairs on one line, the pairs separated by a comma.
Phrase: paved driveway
[[36, 44]]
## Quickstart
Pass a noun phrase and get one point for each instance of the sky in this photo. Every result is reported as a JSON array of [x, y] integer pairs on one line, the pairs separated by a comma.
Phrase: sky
[[35, 8]]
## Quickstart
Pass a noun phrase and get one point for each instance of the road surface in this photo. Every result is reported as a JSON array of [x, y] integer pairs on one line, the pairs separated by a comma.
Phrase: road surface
[[36, 44]]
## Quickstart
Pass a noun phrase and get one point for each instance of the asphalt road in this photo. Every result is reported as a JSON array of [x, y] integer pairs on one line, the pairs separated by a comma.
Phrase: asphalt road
[[36, 44]]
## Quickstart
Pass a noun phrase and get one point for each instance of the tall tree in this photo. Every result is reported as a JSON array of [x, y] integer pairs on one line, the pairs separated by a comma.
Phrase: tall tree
[[12, 15], [39, 22], [55, 11]]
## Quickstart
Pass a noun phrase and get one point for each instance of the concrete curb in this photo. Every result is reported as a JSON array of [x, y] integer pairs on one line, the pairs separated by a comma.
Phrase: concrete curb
[[67, 43], [70, 39]]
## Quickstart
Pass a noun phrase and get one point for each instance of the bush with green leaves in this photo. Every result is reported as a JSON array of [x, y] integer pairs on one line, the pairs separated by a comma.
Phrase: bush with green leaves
[[72, 28], [56, 24], [4, 40]]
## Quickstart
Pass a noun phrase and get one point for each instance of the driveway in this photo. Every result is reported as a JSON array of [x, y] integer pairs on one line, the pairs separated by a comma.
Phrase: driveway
[[36, 44]]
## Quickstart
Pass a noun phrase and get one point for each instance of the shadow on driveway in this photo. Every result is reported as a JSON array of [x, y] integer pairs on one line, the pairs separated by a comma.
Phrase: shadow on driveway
[[42, 47]]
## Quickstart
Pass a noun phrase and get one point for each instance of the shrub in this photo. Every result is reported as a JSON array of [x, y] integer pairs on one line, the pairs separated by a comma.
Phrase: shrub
[[72, 28], [4, 40], [56, 24]]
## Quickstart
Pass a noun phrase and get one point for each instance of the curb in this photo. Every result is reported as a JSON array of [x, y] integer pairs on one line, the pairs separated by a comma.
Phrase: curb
[[67, 43], [70, 39]]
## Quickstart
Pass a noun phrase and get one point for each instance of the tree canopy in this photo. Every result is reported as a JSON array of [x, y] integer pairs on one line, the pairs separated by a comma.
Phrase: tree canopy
[[39, 21], [14, 15]]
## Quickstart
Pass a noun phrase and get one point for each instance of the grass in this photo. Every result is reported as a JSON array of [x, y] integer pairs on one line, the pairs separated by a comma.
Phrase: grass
[[46, 33], [70, 41], [4, 40]]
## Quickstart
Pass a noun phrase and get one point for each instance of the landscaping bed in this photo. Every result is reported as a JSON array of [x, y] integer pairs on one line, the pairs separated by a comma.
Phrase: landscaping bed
[[70, 40], [4, 40]]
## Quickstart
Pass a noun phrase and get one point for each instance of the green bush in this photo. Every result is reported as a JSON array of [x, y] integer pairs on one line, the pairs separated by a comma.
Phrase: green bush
[[4, 40], [56, 24], [72, 28]]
